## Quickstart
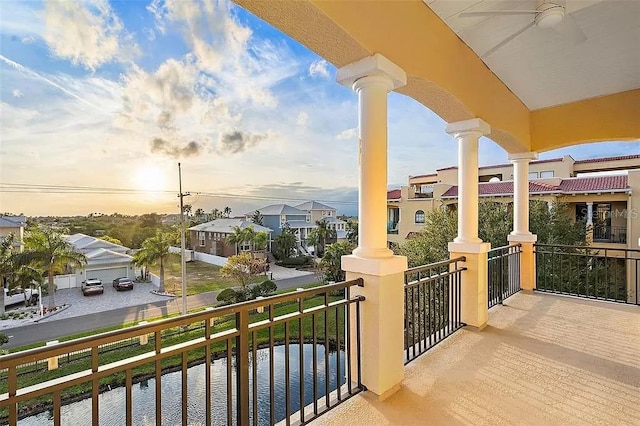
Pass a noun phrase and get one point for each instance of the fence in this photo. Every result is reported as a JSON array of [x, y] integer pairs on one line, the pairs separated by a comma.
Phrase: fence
[[503, 273], [320, 319], [593, 272], [202, 257], [64, 281], [431, 305]]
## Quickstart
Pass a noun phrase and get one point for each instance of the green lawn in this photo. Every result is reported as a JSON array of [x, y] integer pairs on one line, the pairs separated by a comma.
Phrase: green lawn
[[201, 277]]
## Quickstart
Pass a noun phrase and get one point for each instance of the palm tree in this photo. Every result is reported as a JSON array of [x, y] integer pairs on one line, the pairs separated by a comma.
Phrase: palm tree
[[257, 218], [227, 211], [322, 234], [25, 276], [260, 240], [6, 264], [236, 237], [48, 249], [155, 249]]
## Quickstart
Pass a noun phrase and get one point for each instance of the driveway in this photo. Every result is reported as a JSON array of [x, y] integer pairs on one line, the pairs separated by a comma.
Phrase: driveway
[[110, 300]]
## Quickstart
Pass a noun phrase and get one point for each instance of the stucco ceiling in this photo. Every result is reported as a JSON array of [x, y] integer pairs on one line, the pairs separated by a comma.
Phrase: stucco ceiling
[[541, 66]]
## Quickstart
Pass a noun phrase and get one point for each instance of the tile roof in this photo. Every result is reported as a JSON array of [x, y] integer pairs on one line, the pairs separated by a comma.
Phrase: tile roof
[[595, 183], [314, 205], [600, 160], [424, 176], [567, 186], [394, 194]]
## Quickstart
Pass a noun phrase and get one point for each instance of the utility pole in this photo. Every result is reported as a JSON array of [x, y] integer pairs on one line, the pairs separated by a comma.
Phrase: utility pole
[[182, 243]]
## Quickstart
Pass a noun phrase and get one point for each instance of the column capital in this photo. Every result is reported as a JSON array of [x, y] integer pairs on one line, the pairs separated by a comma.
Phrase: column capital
[[475, 125], [523, 156], [375, 65]]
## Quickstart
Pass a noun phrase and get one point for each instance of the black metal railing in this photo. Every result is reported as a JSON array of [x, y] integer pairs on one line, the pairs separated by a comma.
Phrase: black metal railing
[[287, 358], [594, 272], [432, 295], [610, 234], [503, 278]]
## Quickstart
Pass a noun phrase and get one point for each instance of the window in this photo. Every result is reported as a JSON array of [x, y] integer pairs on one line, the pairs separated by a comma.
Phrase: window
[[420, 216], [201, 236], [533, 175], [546, 174], [308, 218], [245, 246], [329, 213]]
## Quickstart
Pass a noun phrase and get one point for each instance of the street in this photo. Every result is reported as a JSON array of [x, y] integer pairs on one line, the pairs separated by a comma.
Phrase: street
[[52, 330]]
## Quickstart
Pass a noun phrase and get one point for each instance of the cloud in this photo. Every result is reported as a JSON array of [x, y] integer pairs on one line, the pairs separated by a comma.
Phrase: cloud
[[162, 146], [17, 93], [87, 33], [28, 40], [319, 68], [303, 118], [348, 134], [238, 141]]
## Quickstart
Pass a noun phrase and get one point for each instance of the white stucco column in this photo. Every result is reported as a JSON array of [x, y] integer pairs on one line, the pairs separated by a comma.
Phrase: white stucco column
[[467, 133], [521, 234], [474, 311], [590, 213], [382, 312], [521, 192]]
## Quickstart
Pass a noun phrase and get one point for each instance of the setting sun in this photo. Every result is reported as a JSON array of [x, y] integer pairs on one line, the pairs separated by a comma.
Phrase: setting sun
[[150, 178]]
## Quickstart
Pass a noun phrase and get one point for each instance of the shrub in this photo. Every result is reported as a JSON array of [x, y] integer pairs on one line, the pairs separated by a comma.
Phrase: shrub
[[228, 295], [265, 288], [3, 339]]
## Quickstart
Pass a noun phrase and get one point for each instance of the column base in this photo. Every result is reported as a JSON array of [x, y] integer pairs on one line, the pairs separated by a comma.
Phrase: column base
[[527, 260], [474, 297], [382, 321]]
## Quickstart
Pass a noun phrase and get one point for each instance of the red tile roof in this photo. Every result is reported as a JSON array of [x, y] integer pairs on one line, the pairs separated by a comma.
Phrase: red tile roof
[[600, 160], [394, 194], [567, 186], [595, 183]]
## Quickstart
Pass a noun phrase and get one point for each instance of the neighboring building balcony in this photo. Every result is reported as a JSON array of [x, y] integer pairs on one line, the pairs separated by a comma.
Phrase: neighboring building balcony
[[610, 234]]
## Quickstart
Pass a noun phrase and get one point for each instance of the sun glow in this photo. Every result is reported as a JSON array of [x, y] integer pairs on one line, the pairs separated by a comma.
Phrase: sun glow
[[150, 178]]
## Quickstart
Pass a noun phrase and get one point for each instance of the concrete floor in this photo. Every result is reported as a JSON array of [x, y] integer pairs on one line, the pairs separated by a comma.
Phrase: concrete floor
[[542, 360]]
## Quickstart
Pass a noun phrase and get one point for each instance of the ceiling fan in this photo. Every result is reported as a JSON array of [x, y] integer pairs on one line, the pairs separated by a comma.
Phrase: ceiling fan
[[548, 14]]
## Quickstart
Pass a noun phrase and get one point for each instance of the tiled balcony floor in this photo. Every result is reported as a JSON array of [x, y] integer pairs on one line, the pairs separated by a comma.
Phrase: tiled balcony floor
[[542, 360]]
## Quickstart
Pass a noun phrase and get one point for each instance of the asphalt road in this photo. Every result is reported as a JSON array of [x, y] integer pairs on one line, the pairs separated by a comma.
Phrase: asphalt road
[[52, 330]]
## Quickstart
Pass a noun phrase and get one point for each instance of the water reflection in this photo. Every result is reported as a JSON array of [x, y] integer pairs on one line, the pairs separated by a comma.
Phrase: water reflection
[[112, 403]]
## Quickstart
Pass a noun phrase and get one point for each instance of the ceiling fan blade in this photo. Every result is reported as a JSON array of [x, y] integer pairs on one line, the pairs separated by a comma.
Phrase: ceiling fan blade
[[570, 30], [497, 12], [507, 40]]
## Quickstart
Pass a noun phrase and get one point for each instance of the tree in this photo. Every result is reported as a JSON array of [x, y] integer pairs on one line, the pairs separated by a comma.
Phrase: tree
[[331, 263], [48, 249], [111, 240], [237, 237], [186, 209], [242, 267], [285, 244], [352, 232], [257, 218], [260, 240], [227, 212], [216, 214], [24, 277], [155, 250], [6, 264]]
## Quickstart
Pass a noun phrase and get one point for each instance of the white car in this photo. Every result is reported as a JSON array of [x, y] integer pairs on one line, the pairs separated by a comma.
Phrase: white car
[[18, 295]]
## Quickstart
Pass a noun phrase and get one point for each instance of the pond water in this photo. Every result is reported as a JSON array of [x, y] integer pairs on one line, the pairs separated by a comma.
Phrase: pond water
[[112, 403]]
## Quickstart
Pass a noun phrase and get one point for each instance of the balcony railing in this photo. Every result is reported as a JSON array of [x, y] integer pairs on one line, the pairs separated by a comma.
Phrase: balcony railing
[[589, 271], [392, 228], [610, 234], [318, 368], [503, 273], [431, 305]]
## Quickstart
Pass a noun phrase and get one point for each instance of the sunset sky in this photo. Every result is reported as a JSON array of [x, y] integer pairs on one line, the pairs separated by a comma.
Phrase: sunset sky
[[111, 95]]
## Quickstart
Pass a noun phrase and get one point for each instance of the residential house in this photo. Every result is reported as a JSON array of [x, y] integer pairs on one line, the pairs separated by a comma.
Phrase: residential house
[[606, 201], [105, 260], [13, 225], [319, 211], [211, 237]]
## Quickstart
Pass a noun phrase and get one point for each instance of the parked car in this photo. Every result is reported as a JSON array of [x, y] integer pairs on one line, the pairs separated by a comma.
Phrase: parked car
[[18, 295], [123, 283], [92, 286]]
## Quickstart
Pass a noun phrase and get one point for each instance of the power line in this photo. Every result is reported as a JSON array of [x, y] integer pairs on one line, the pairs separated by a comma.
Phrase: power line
[[89, 190]]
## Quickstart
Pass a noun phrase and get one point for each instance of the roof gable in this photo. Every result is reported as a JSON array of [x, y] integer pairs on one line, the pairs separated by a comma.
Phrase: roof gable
[[314, 205]]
